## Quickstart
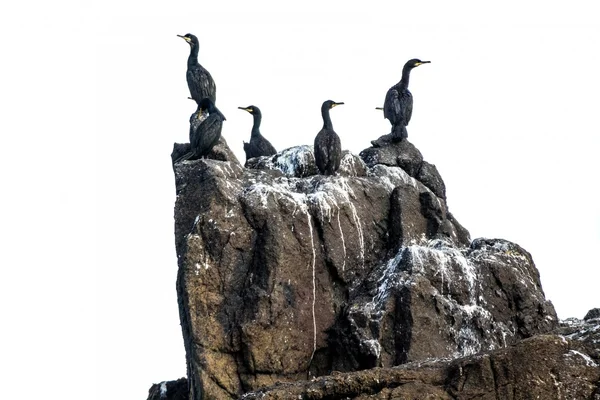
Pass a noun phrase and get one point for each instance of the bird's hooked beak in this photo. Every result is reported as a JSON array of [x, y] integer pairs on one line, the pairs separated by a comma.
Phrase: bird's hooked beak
[[337, 104], [422, 62], [187, 39], [249, 109]]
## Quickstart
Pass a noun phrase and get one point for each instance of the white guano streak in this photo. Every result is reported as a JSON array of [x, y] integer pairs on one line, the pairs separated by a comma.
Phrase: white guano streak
[[361, 239], [314, 287], [343, 241]]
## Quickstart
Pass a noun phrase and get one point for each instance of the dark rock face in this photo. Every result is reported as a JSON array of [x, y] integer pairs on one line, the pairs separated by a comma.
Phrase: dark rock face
[[594, 313], [284, 274], [542, 367]]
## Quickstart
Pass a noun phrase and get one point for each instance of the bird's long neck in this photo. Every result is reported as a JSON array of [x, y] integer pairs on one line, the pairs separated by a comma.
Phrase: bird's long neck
[[326, 118], [256, 125], [405, 78], [193, 58]]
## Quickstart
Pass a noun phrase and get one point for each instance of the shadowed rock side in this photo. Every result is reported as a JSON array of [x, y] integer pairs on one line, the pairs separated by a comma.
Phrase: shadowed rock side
[[542, 367], [284, 274]]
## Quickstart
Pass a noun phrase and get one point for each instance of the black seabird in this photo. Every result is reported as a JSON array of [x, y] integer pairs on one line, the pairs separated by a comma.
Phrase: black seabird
[[204, 133], [328, 147], [258, 145], [399, 102], [199, 80]]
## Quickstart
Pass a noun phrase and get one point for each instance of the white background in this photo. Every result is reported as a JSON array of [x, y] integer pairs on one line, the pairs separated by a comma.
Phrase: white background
[[94, 95]]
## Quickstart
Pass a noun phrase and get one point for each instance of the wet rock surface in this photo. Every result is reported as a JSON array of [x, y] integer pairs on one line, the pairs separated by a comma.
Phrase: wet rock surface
[[285, 275]]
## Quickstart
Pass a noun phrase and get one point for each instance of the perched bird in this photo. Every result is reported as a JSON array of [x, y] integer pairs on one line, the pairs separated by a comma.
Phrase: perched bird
[[199, 80], [258, 145], [328, 147], [204, 134], [398, 103]]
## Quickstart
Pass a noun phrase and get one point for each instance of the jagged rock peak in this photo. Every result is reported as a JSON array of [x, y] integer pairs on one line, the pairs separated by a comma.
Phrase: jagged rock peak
[[405, 155], [594, 313]]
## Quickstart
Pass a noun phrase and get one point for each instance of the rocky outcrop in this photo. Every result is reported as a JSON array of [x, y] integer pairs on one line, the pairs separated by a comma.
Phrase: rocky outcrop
[[286, 275], [434, 300], [406, 156], [586, 331], [593, 314], [542, 367]]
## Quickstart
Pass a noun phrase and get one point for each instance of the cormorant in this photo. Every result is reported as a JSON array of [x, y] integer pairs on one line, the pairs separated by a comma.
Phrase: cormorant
[[328, 147], [199, 80], [258, 145], [399, 102], [204, 134]]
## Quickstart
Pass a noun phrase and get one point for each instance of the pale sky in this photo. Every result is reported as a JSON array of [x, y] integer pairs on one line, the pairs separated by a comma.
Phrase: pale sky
[[94, 95]]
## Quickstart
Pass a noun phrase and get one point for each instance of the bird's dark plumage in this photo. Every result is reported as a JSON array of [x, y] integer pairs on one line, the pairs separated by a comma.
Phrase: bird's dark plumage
[[204, 133], [199, 80], [258, 145], [328, 147], [398, 104]]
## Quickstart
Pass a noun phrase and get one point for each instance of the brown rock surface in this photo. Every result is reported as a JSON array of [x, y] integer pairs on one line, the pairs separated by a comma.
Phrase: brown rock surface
[[542, 367]]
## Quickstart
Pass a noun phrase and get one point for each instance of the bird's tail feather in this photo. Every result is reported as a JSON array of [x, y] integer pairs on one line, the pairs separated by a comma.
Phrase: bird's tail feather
[[184, 157]]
